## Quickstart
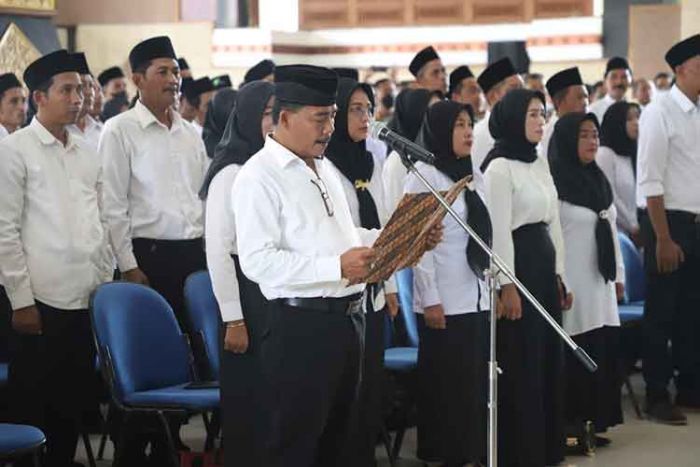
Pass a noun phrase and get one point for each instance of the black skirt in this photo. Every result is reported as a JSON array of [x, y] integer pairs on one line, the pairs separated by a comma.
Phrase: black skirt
[[595, 396], [452, 389], [531, 388], [243, 388]]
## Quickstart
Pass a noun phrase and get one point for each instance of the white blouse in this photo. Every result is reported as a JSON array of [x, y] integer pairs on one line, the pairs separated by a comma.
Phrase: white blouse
[[595, 301], [517, 194], [394, 175], [443, 276], [621, 176]]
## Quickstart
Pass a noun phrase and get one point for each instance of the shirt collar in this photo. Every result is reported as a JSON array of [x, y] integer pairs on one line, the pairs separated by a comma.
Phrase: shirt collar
[[282, 156], [47, 138], [146, 117], [682, 100]]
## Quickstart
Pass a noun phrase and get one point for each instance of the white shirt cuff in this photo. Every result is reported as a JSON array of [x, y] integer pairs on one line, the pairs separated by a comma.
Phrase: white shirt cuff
[[20, 298], [651, 189], [126, 261], [231, 311], [328, 269]]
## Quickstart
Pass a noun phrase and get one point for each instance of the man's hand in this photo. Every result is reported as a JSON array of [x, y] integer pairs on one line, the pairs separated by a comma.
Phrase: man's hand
[[619, 291], [434, 236], [392, 304], [136, 276], [566, 299], [511, 307], [355, 263], [27, 320], [669, 256], [236, 338], [435, 317]]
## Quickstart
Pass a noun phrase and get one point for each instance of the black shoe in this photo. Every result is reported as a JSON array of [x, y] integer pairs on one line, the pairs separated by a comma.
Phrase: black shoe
[[666, 413], [601, 441]]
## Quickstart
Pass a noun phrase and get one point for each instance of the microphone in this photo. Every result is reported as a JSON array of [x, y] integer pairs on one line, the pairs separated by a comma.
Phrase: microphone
[[398, 143]]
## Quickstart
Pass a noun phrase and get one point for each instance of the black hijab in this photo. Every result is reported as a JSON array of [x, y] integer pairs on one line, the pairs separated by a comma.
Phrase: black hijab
[[613, 131], [583, 185], [242, 136], [507, 126], [436, 136], [352, 158], [411, 105], [217, 115]]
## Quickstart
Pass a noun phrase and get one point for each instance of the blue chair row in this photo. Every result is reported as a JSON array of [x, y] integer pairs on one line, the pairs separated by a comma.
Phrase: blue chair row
[[17, 441], [146, 360]]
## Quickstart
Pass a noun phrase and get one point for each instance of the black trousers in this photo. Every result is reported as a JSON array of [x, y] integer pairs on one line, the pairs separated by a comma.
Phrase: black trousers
[[369, 422], [531, 388], [52, 380], [167, 263], [672, 311], [312, 362], [452, 390], [244, 390]]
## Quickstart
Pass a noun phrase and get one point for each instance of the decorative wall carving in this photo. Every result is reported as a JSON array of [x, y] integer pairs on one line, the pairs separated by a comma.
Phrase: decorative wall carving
[[16, 51], [42, 6]]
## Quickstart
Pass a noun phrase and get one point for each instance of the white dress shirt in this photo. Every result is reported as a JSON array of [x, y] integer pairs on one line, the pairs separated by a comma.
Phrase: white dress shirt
[[288, 243], [547, 136], [621, 176], [517, 194], [668, 154], [378, 149], [595, 301], [443, 276], [92, 133], [601, 106], [152, 177], [3, 131], [483, 143], [220, 241], [394, 175], [53, 246], [198, 128]]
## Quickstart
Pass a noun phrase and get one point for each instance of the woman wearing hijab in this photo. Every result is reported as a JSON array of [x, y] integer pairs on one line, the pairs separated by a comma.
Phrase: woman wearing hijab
[[617, 158], [411, 105], [451, 301], [215, 120], [524, 208], [240, 301], [360, 174], [595, 275]]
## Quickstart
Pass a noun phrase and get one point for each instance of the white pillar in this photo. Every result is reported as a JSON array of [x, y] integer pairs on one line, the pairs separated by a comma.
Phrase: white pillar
[[279, 15]]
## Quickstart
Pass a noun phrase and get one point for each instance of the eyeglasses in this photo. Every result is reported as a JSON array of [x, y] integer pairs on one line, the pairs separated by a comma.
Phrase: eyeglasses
[[327, 202], [360, 111]]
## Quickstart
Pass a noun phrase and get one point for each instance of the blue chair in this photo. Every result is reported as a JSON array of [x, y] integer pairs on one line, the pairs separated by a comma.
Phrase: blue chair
[[205, 321], [17, 441], [631, 310], [402, 361], [146, 359]]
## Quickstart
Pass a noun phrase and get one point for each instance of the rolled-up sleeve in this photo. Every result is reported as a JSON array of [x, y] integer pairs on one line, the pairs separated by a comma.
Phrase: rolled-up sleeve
[[652, 154]]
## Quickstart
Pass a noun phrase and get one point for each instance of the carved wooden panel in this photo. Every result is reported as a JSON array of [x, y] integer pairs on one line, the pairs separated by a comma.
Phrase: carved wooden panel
[[16, 51], [563, 8]]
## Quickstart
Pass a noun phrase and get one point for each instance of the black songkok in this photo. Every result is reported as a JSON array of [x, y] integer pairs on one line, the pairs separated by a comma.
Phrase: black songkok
[[9, 81], [48, 66], [564, 79], [306, 85], [424, 56], [617, 63], [221, 82], [495, 73], [260, 70], [683, 51], [458, 74], [109, 74], [151, 49]]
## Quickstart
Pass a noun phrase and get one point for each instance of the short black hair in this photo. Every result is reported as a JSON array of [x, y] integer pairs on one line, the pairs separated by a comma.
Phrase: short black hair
[[662, 74], [281, 105], [535, 76], [597, 84], [193, 101]]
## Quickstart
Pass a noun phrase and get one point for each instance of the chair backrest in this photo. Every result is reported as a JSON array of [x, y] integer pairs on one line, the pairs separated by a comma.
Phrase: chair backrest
[[635, 279], [404, 282], [204, 317], [138, 336]]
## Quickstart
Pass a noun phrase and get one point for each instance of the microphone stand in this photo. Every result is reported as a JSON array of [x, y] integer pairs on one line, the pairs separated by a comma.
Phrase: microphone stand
[[491, 275]]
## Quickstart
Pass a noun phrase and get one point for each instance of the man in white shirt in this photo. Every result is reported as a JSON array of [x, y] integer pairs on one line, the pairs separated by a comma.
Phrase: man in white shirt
[[464, 88], [196, 96], [429, 71], [568, 94], [642, 91], [495, 81], [113, 82], [53, 253], [13, 104], [668, 170], [618, 78], [86, 126]]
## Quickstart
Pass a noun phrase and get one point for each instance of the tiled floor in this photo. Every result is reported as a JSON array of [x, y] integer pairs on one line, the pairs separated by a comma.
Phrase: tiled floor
[[637, 443]]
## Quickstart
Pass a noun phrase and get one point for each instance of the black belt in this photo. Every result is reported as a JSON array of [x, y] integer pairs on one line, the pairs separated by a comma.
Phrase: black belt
[[344, 305]]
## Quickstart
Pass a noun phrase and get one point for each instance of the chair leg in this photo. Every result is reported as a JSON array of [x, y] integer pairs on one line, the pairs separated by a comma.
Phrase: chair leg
[[209, 441], [119, 442], [398, 442], [386, 440], [633, 397], [88, 449], [36, 458], [105, 433], [169, 438]]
